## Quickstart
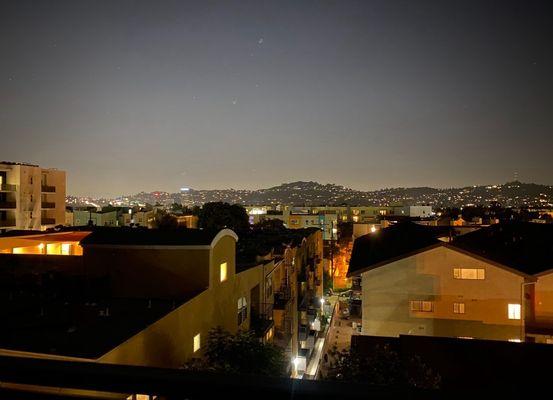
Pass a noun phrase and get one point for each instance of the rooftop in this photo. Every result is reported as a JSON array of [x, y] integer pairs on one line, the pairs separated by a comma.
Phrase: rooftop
[[17, 163], [386, 245], [524, 246], [149, 237]]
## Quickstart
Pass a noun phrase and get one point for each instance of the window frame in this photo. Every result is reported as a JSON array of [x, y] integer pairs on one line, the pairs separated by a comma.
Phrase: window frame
[[421, 306], [514, 311], [461, 273]]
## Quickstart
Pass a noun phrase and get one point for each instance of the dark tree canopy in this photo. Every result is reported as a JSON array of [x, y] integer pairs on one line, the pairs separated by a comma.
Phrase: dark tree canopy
[[242, 353], [165, 221], [383, 367], [270, 225], [219, 215]]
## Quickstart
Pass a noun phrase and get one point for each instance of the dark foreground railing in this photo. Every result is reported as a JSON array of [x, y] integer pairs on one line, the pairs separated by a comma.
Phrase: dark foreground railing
[[65, 378]]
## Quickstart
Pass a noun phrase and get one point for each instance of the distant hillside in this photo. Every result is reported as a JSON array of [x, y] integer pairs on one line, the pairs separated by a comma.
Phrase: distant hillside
[[511, 194]]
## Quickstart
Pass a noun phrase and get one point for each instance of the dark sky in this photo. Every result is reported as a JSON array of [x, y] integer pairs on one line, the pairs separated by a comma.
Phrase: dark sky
[[154, 95]]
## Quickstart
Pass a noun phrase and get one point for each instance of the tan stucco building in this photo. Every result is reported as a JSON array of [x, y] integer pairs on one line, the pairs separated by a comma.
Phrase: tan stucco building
[[480, 285], [31, 197]]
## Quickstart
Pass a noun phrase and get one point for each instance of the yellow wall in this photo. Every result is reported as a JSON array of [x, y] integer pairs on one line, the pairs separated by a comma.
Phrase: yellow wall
[[429, 276], [169, 341]]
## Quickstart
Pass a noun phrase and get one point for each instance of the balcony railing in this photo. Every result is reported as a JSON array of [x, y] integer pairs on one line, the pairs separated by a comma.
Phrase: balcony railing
[[10, 205], [6, 187], [7, 223], [48, 189], [48, 221], [47, 204], [282, 297], [262, 320]]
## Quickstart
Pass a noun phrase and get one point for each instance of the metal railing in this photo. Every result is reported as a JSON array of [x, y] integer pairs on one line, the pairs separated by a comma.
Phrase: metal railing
[[262, 320], [48, 189], [6, 187], [47, 204], [8, 205], [282, 297]]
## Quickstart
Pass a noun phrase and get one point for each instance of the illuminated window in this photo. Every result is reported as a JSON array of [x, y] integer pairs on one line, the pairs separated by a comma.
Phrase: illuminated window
[[269, 335], [196, 342], [66, 249], [515, 340], [422, 306], [513, 311], [242, 310], [223, 272], [469, 273], [459, 308]]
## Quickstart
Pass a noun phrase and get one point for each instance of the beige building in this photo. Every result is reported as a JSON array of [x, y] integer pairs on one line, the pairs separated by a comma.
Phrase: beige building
[[495, 283], [31, 197]]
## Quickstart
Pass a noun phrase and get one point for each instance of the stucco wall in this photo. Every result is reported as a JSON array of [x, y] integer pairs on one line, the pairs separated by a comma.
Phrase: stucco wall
[[169, 341], [388, 290]]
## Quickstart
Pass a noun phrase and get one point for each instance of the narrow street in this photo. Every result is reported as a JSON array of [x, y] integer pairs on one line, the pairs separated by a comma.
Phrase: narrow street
[[339, 335]]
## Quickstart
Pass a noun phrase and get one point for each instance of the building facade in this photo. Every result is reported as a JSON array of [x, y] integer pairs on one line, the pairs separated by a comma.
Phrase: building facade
[[31, 197], [494, 283]]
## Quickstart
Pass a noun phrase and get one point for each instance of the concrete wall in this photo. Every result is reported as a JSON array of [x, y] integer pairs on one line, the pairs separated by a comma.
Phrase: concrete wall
[[388, 290]]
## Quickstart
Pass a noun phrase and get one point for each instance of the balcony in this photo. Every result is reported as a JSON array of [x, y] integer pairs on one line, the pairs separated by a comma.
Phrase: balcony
[[48, 221], [262, 321], [6, 187], [4, 223], [7, 205], [282, 298], [48, 205], [48, 189]]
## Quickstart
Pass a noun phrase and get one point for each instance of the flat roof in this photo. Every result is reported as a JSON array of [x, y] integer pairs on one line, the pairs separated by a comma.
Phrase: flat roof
[[149, 237]]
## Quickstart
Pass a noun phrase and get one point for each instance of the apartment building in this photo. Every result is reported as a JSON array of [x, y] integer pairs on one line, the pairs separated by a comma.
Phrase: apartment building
[[494, 283], [31, 197], [149, 297], [111, 216]]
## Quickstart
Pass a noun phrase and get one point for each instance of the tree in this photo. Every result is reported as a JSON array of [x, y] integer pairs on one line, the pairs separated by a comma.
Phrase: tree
[[219, 215], [176, 207], [165, 221], [382, 367], [270, 225], [242, 353]]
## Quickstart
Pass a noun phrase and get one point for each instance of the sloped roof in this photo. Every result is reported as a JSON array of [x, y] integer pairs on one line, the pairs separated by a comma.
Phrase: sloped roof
[[396, 241], [524, 246]]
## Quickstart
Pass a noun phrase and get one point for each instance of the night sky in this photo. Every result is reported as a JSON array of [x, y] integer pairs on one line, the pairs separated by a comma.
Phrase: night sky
[[154, 95]]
